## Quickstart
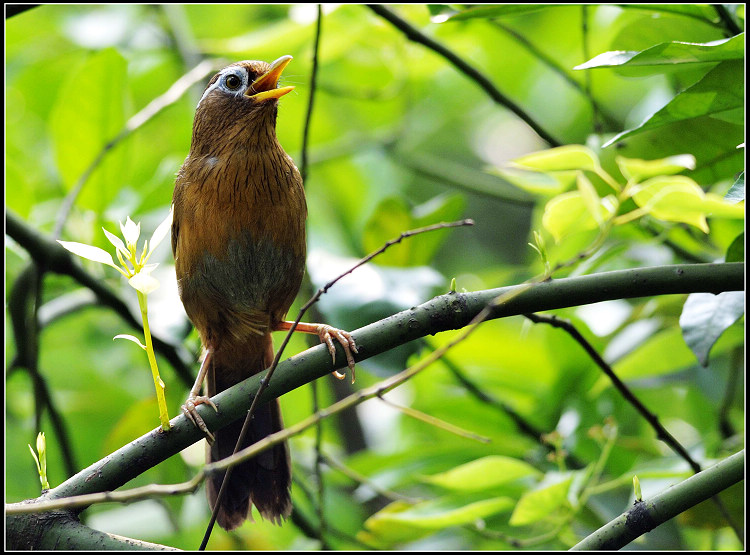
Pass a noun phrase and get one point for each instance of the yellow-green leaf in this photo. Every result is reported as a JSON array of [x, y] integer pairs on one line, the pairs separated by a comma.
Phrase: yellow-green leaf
[[483, 474], [536, 182], [590, 198], [569, 212], [400, 521], [569, 157], [679, 199], [535, 505], [636, 170]]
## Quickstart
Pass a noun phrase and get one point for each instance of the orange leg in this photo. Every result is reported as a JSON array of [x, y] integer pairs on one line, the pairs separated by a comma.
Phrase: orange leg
[[326, 334]]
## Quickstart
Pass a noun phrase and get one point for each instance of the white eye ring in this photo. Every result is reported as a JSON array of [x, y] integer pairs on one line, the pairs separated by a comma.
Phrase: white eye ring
[[226, 82], [232, 81]]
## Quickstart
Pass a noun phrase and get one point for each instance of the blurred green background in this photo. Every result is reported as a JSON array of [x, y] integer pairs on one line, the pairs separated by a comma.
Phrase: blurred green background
[[398, 139]]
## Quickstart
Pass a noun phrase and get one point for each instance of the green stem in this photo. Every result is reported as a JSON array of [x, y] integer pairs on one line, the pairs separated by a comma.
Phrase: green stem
[[158, 383]]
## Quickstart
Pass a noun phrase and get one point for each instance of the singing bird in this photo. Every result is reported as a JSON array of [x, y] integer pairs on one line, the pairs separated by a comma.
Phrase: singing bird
[[238, 239]]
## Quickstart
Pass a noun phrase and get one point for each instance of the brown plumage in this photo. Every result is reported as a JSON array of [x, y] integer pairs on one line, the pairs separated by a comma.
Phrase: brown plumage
[[238, 237]]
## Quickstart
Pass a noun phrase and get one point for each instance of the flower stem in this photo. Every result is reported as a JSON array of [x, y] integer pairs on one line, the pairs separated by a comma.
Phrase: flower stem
[[158, 383]]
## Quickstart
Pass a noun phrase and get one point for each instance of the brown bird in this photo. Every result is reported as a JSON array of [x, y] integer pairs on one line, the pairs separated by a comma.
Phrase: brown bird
[[238, 238]]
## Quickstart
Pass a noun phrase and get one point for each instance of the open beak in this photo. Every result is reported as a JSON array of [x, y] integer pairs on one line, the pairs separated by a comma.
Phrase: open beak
[[264, 87]]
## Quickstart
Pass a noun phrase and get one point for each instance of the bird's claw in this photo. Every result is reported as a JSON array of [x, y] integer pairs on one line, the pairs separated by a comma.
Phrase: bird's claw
[[326, 334], [189, 409]]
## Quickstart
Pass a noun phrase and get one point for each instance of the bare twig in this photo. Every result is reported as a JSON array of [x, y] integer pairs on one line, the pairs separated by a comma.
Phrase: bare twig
[[432, 421], [311, 98], [661, 432], [172, 95], [267, 378], [464, 67]]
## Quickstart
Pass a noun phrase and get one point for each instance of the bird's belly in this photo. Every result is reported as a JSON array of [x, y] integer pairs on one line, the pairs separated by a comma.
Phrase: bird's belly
[[243, 290]]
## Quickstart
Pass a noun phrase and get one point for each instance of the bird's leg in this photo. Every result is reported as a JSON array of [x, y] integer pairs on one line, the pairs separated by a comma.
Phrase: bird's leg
[[194, 399], [326, 334]]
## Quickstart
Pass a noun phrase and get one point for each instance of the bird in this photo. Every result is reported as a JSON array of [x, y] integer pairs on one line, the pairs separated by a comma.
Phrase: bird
[[239, 244]]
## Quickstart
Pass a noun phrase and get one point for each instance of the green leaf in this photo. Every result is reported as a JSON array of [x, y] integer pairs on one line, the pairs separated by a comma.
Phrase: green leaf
[[663, 353], [719, 94], [389, 219], [399, 521], [492, 11], [675, 52], [88, 114], [590, 198], [392, 217], [569, 213], [736, 192], [706, 316], [483, 474], [538, 183], [736, 250], [537, 504], [568, 157], [678, 198], [637, 170]]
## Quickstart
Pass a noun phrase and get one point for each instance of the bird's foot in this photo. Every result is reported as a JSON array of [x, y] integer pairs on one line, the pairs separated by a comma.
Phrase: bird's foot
[[326, 334], [189, 409]]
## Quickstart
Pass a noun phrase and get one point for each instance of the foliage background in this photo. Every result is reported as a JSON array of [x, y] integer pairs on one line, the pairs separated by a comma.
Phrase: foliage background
[[397, 138]]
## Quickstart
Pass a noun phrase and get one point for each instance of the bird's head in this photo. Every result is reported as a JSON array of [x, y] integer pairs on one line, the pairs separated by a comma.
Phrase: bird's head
[[243, 95]]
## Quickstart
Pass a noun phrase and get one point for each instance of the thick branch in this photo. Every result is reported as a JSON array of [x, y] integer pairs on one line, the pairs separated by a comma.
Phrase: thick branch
[[446, 312]]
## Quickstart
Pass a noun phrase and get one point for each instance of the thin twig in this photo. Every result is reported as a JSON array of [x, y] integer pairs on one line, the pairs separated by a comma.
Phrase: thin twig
[[364, 480], [413, 34], [311, 98], [432, 421], [661, 432], [172, 95], [629, 396], [267, 378], [447, 312]]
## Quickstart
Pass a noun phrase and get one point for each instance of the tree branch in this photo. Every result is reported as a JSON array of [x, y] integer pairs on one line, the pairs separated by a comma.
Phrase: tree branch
[[413, 34], [446, 312], [647, 515], [50, 256]]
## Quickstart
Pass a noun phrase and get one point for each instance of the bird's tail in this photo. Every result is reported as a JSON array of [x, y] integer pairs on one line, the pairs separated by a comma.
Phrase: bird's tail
[[264, 480]]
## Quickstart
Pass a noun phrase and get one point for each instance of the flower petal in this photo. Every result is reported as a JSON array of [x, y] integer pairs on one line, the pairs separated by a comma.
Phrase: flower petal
[[89, 252], [117, 242], [161, 231], [143, 282], [131, 231], [132, 338]]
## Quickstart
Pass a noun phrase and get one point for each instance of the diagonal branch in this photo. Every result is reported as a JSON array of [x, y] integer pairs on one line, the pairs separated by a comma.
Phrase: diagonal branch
[[446, 312], [648, 514], [50, 256], [414, 34]]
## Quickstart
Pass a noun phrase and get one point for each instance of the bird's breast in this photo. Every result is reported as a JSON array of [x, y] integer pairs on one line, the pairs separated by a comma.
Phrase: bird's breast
[[239, 237]]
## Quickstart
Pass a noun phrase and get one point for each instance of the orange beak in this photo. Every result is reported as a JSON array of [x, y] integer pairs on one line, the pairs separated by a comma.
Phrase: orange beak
[[265, 86]]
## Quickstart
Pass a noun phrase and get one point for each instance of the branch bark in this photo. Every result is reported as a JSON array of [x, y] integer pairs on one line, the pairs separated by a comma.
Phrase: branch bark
[[648, 514], [446, 312]]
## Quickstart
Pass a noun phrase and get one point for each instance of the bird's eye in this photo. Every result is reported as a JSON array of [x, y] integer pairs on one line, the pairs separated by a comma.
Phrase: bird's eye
[[233, 82]]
